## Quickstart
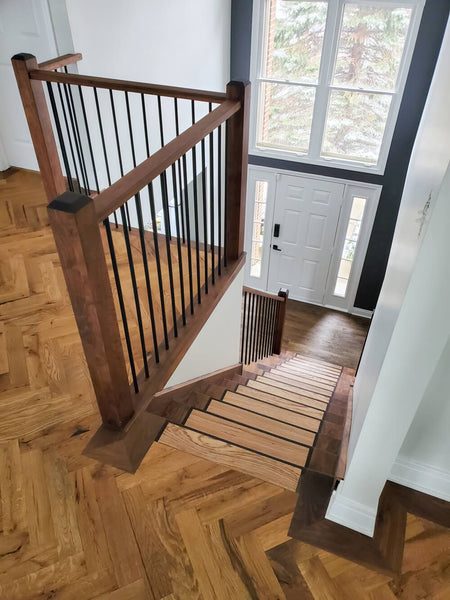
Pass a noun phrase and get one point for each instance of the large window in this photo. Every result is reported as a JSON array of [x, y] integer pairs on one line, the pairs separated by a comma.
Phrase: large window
[[328, 78]]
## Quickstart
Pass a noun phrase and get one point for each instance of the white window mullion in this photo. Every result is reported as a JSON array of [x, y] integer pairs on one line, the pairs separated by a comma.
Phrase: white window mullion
[[334, 14]]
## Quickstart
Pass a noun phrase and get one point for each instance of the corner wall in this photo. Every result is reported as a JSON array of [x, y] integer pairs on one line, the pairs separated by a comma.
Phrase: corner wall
[[217, 345]]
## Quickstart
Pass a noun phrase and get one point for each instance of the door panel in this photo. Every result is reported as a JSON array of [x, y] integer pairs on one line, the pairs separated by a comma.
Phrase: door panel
[[24, 27], [308, 212]]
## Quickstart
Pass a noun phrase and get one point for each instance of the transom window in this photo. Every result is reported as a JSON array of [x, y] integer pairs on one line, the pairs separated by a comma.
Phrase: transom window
[[329, 77]]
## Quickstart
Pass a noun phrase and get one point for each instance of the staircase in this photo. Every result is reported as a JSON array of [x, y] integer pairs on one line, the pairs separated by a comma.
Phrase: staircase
[[281, 416]]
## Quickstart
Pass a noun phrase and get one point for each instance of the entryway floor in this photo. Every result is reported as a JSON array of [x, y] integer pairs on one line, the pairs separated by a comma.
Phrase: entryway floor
[[329, 335]]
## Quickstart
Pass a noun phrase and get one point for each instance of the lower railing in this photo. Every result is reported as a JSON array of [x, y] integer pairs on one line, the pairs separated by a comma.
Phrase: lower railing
[[146, 250], [263, 317]]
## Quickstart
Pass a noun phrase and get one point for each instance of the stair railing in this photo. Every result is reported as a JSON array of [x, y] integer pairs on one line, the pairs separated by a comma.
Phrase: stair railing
[[146, 188], [263, 317]]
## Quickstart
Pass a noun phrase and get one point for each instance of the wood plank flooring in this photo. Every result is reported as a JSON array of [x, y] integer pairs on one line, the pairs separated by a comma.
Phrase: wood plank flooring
[[181, 527]]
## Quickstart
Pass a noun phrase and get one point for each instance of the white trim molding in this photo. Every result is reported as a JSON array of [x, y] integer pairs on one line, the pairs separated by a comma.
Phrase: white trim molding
[[351, 514], [421, 477]]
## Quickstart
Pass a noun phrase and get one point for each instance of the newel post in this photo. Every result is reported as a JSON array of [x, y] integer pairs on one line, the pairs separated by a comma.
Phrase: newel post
[[279, 323], [39, 123], [78, 240], [236, 169]]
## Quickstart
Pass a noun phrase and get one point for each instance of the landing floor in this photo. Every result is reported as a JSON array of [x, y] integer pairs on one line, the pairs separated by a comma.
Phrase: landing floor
[[181, 527]]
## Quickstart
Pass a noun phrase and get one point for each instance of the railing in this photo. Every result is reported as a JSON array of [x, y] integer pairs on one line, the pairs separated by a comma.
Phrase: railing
[[263, 317], [150, 231]]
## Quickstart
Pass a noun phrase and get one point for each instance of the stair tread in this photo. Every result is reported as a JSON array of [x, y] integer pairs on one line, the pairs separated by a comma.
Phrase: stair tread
[[252, 439], [313, 364], [234, 457], [303, 385], [270, 410], [278, 389], [260, 421], [273, 398], [307, 375]]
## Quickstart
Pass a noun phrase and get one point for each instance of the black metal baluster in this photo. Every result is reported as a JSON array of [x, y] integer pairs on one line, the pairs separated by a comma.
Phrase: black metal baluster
[[158, 262], [225, 220], [165, 198], [147, 274], [247, 333], [69, 137], [251, 328], [62, 144], [267, 349], [127, 222], [263, 327], [211, 201], [180, 255], [112, 253], [219, 198], [177, 131], [130, 128], [135, 293], [102, 135], [244, 317], [258, 324], [194, 181], [86, 125], [276, 307], [188, 233], [76, 134], [205, 214], [255, 324]]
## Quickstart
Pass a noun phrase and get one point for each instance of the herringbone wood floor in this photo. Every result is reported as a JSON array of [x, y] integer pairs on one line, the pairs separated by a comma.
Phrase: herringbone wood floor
[[181, 527]]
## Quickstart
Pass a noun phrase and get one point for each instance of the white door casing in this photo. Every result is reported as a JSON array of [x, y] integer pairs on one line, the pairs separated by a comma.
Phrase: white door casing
[[307, 211], [25, 26]]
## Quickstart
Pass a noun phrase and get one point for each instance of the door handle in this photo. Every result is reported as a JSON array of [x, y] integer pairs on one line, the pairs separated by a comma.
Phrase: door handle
[[275, 247], [276, 230]]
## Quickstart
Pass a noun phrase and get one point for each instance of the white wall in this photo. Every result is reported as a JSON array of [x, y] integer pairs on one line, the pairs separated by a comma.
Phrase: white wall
[[423, 462], [217, 344], [172, 42], [427, 167], [411, 324]]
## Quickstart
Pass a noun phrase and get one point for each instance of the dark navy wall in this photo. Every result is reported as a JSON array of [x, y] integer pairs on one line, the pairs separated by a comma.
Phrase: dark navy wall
[[424, 58]]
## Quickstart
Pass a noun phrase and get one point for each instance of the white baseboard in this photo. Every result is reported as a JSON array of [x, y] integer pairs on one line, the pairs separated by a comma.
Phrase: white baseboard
[[362, 312], [421, 477], [349, 513]]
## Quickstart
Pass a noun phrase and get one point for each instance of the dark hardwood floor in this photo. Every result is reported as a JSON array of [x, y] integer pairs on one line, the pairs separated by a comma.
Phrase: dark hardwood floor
[[326, 334]]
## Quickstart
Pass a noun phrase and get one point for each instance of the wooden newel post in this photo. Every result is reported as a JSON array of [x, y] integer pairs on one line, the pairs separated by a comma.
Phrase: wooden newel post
[[39, 123], [236, 169], [77, 235], [279, 324]]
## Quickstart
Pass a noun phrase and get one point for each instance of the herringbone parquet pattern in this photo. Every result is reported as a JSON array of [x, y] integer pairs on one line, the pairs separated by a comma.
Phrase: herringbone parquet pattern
[[182, 527]]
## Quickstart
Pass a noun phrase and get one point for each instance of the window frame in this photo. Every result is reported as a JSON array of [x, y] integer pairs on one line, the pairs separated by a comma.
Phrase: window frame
[[329, 51]]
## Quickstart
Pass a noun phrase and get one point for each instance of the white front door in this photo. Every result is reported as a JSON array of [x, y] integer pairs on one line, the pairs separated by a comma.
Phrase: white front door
[[304, 227], [25, 26]]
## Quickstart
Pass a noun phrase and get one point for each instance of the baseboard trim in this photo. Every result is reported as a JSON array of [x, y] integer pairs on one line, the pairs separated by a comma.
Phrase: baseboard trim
[[421, 477], [349, 513], [361, 312]]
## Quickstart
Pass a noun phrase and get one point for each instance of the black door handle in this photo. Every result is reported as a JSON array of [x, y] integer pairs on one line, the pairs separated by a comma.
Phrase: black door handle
[[276, 230], [275, 247]]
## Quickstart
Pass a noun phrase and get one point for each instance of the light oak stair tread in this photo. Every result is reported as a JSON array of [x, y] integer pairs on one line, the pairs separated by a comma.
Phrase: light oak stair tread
[[316, 361], [234, 457], [251, 439], [303, 364], [261, 392], [263, 422], [281, 382], [307, 363], [270, 410], [309, 377], [307, 371], [303, 383], [277, 389]]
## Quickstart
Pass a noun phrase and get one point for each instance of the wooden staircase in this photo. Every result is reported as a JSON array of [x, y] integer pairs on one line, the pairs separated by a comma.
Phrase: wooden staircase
[[279, 417]]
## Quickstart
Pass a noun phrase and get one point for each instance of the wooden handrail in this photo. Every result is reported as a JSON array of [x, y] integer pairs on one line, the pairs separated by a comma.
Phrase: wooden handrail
[[130, 184], [128, 86], [60, 61], [265, 294]]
